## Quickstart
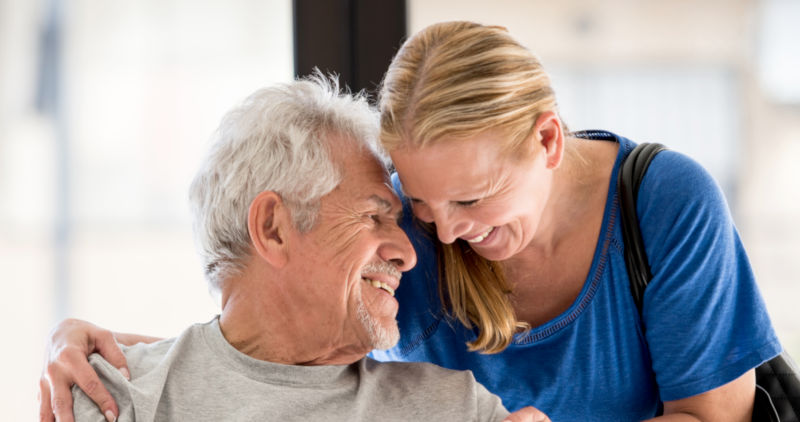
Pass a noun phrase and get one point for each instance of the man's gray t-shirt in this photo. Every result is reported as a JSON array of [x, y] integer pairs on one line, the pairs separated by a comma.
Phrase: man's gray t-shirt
[[198, 376]]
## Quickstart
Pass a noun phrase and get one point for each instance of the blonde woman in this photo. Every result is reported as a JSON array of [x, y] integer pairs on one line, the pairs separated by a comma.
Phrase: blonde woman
[[521, 276]]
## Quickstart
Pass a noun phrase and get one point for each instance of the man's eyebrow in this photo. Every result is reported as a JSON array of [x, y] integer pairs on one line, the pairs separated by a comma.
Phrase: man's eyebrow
[[385, 205]]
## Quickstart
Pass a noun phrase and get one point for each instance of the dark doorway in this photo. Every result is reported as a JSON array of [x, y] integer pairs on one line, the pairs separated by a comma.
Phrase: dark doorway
[[353, 38]]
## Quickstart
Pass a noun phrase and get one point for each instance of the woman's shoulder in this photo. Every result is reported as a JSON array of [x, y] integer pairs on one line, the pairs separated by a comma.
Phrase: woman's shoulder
[[682, 211], [677, 180], [674, 165]]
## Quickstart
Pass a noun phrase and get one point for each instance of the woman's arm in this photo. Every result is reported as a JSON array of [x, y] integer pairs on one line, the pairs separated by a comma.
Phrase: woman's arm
[[66, 364], [730, 402], [703, 313]]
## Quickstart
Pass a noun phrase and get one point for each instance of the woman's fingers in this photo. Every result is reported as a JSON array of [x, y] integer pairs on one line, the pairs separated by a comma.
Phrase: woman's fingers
[[107, 347], [85, 377], [71, 342], [45, 410], [60, 397]]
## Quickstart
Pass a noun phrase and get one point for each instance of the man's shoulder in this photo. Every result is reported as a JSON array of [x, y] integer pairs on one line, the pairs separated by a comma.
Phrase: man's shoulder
[[142, 356], [148, 365], [423, 390], [414, 373]]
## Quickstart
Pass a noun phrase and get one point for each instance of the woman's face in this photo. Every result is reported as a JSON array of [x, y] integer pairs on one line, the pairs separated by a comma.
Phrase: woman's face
[[473, 190]]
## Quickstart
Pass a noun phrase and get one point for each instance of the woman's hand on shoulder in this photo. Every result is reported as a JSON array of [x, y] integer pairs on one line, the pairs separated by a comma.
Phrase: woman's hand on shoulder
[[66, 364]]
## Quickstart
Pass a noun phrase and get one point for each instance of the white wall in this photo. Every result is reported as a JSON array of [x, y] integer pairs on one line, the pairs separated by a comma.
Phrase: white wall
[[145, 83]]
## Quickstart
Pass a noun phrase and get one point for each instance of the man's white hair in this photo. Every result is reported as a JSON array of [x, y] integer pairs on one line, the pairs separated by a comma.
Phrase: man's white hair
[[276, 140]]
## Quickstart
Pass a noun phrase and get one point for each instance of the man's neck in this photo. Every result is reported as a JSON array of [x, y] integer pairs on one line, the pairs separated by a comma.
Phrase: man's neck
[[270, 330]]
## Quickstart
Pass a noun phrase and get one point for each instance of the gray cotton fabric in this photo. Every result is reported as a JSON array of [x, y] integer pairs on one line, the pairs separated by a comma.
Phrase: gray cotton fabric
[[198, 376]]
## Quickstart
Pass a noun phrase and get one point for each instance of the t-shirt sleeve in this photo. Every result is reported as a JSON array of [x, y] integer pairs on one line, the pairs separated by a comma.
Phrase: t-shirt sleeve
[[490, 407], [704, 319]]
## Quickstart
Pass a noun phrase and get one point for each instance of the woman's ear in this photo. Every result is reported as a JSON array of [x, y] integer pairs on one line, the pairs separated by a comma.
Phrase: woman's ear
[[269, 222], [550, 135]]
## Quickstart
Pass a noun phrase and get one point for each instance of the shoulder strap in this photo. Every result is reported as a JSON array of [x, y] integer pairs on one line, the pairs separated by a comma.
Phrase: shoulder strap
[[630, 177]]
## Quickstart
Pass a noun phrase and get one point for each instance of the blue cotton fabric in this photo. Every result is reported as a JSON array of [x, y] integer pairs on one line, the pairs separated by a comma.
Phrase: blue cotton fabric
[[706, 323]]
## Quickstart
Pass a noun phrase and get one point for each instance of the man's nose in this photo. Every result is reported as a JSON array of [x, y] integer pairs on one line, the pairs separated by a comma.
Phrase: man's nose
[[398, 250]]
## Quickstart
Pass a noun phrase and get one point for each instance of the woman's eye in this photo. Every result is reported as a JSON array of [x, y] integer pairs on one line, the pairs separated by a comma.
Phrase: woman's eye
[[375, 217], [467, 203]]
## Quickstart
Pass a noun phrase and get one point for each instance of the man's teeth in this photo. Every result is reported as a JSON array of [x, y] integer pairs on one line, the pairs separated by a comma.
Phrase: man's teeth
[[481, 237], [380, 285]]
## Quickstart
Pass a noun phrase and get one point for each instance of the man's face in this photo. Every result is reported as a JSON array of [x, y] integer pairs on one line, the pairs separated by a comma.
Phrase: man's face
[[348, 265]]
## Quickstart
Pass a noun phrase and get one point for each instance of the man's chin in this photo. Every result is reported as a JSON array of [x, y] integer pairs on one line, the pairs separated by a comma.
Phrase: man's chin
[[383, 337], [382, 331], [386, 342]]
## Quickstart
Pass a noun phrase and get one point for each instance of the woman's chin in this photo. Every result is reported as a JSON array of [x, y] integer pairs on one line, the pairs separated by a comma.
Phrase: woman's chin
[[493, 253]]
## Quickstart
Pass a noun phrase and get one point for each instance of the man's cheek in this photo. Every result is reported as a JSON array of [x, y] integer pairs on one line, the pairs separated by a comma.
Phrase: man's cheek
[[344, 238]]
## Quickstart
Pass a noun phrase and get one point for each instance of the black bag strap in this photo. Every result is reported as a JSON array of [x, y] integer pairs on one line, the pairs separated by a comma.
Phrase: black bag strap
[[629, 178]]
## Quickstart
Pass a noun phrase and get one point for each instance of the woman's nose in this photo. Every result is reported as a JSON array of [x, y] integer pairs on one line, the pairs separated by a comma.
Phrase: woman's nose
[[449, 226]]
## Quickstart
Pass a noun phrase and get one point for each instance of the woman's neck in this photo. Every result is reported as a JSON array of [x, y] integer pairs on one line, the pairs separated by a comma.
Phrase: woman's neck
[[578, 193]]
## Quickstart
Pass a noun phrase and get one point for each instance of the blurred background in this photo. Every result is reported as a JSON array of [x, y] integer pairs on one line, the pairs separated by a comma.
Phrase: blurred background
[[106, 107]]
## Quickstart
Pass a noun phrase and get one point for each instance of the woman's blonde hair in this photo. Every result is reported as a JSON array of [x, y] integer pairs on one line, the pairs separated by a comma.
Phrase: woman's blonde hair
[[455, 80]]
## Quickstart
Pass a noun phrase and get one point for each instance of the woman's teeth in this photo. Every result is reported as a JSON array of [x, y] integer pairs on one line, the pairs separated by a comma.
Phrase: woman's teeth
[[481, 237], [380, 285]]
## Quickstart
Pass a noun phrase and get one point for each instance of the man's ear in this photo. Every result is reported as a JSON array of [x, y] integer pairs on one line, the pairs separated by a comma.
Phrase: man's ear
[[548, 132], [269, 223]]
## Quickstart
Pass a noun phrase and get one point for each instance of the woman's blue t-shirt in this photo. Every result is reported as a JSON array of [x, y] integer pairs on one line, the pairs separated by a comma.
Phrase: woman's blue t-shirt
[[706, 323]]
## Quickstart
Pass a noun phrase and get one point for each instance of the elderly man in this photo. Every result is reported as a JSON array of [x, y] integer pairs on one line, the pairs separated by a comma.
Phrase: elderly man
[[296, 224]]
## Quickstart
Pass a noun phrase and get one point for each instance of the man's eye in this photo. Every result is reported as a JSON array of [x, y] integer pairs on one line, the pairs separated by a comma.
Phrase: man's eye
[[467, 203], [375, 217]]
